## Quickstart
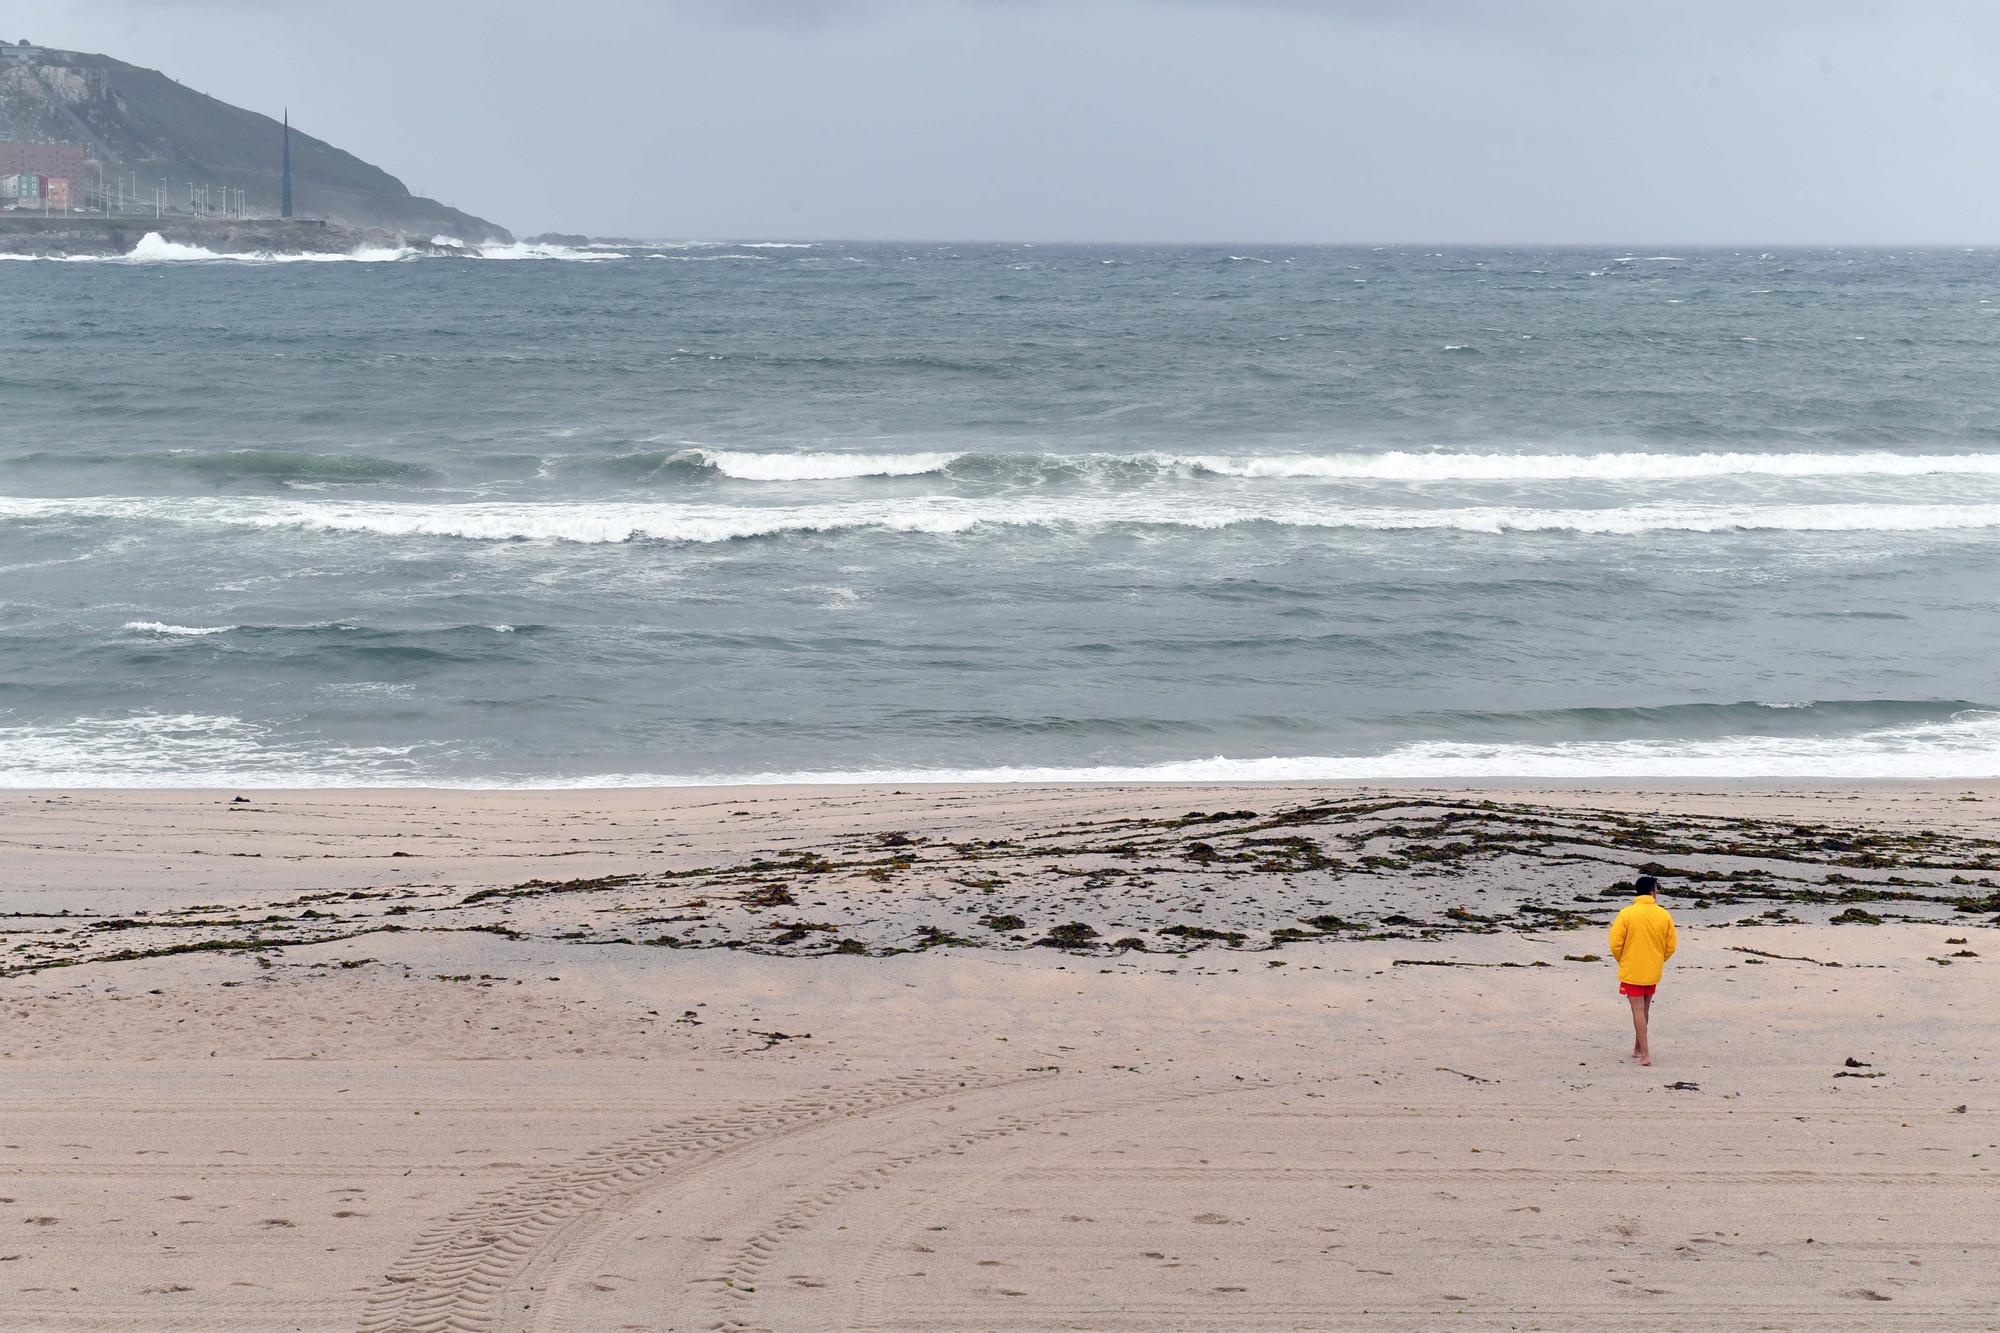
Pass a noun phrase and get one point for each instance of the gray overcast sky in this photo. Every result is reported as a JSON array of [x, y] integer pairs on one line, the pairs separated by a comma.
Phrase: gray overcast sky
[[1347, 120]]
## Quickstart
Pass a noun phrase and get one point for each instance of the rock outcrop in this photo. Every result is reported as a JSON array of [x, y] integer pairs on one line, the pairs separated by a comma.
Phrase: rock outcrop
[[75, 237]]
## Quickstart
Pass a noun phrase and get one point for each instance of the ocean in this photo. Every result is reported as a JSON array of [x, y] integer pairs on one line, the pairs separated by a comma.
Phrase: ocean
[[822, 511]]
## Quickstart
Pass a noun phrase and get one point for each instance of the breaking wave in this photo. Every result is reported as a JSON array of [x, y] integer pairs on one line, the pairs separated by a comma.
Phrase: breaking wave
[[529, 250], [197, 750], [1379, 467], [183, 750], [725, 245], [693, 462], [624, 521], [1391, 466], [176, 631], [748, 466], [153, 248], [156, 249], [1965, 747]]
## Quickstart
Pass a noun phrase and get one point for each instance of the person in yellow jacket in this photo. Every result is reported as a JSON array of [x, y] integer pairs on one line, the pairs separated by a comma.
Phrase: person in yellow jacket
[[1642, 940]]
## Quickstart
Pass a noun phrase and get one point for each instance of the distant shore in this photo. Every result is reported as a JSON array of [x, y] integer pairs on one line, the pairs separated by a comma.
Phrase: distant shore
[[80, 236]]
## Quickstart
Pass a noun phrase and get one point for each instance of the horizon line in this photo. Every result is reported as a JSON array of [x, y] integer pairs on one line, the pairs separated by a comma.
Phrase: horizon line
[[751, 238]]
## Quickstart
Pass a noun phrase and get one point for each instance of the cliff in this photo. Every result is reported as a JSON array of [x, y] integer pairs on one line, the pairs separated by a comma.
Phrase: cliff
[[139, 120]]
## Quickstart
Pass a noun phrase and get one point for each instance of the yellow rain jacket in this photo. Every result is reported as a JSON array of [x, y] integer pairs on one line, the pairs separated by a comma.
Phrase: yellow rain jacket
[[1642, 940]]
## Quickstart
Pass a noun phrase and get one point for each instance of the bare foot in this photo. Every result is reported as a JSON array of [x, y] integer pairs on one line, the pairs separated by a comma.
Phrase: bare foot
[[1645, 1059]]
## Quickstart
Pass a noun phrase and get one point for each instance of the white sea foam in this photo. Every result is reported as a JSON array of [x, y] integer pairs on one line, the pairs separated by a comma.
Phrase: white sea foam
[[1966, 747], [726, 245], [528, 250], [1394, 465], [621, 521], [153, 248], [820, 466], [191, 750], [183, 750], [523, 250], [176, 631]]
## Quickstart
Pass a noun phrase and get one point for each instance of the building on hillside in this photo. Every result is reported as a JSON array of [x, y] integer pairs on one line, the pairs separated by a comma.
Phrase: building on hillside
[[22, 190], [62, 163]]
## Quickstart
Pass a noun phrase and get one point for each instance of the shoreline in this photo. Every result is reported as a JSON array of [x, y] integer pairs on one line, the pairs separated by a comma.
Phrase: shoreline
[[1694, 784]]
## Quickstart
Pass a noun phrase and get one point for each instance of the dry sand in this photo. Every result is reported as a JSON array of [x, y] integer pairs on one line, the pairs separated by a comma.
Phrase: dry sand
[[594, 1060]]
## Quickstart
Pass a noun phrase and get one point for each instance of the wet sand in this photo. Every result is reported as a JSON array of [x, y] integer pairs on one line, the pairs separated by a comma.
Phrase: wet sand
[[1263, 1058]]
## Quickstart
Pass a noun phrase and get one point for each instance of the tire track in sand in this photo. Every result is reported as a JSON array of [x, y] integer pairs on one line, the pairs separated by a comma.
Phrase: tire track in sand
[[473, 1270], [734, 1297]]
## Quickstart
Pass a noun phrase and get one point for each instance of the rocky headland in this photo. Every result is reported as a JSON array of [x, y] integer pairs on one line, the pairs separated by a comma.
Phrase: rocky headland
[[149, 129], [87, 237]]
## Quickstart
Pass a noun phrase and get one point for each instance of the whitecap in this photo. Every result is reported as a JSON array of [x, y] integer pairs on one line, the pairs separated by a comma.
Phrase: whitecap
[[524, 250], [195, 750], [746, 466], [153, 248], [599, 522], [177, 631]]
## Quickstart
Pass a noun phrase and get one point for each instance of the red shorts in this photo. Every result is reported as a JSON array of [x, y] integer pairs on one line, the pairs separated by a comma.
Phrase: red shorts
[[1627, 988]]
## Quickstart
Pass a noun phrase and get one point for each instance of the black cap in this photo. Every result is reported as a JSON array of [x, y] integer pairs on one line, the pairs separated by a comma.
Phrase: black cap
[[1647, 885]]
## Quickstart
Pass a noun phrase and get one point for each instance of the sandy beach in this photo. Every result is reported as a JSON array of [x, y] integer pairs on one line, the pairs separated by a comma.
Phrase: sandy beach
[[994, 1058]]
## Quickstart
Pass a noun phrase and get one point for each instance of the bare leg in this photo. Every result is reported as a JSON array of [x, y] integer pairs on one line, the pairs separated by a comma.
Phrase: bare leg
[[1641, 1004]]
